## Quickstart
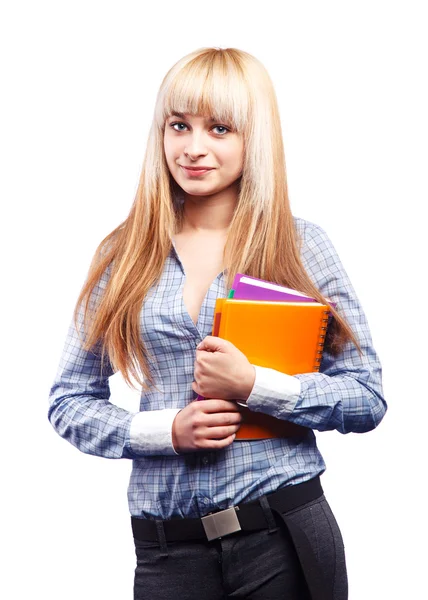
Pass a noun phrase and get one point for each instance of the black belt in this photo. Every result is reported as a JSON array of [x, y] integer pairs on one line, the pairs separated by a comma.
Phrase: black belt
[[249, 516]]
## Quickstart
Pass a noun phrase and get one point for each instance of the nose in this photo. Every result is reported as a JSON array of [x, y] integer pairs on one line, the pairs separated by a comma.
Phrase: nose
[[195, 146]]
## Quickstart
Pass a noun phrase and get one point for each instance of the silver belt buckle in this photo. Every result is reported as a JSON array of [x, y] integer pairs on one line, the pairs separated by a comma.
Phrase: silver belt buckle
[[221, 523]]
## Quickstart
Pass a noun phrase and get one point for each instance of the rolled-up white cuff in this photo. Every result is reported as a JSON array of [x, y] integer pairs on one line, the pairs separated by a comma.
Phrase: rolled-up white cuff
[[273, 391], [151, 432]]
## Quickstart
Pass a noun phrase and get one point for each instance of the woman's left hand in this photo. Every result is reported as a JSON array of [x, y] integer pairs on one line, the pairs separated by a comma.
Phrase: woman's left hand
[[222, 371]]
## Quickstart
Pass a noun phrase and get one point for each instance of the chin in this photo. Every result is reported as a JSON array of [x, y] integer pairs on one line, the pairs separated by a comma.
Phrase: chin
[[200, 192], [198, 189]]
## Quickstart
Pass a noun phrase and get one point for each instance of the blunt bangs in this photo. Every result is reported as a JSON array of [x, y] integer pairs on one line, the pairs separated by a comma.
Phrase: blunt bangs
[[212, 84]]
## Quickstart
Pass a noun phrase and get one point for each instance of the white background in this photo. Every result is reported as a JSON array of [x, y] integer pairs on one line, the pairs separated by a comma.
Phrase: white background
[[79, 82]]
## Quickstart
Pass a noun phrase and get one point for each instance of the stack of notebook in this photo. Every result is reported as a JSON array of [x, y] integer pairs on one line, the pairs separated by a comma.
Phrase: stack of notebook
[[274, 327]]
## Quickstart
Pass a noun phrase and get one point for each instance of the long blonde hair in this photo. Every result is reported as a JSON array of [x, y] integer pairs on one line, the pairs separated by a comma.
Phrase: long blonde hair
[[234, 88]]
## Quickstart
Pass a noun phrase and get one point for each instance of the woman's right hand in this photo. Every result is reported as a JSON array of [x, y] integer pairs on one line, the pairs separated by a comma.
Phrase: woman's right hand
[[205, 425]]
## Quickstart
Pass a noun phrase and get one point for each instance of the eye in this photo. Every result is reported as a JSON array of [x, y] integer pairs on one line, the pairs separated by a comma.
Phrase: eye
[[173, 125], [225, 129]]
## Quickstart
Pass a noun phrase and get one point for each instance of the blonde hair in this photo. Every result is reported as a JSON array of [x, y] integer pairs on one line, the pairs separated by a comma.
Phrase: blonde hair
[[234, 88]]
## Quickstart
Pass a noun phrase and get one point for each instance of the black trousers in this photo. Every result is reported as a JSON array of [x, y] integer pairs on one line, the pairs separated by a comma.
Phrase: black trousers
[[302, 559]]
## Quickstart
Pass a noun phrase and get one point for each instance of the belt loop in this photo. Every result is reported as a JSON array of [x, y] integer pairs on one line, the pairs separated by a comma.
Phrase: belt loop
[[162, 539], [268, 514]]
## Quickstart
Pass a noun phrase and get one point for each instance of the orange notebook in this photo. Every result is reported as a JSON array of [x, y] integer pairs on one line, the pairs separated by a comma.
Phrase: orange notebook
[[285, 336]]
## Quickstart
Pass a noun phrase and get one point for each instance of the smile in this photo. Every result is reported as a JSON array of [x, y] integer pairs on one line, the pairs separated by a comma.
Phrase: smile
[[196, 172]]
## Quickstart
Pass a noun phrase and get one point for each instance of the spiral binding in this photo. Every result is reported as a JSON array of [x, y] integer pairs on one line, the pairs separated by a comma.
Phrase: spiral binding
[[322, 336]]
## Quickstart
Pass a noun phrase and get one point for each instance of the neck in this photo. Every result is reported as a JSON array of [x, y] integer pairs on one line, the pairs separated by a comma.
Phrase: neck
[[210, 213]]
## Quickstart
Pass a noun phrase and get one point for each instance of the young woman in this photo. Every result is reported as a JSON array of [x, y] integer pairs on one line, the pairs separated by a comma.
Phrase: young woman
[[212, 201]]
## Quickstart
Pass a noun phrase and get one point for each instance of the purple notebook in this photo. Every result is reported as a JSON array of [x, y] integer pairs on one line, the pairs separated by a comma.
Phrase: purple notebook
[[251, 288]]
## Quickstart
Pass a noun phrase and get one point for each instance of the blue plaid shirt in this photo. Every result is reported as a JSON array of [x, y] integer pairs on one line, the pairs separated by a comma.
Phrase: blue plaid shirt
[[345, 395]]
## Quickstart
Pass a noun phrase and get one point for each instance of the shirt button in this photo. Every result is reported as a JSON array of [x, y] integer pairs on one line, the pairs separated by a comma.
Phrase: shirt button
[[205, 460]]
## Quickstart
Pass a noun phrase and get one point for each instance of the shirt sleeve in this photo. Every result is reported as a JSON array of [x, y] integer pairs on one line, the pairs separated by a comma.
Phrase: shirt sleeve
[[346, 394], [151, 432], [81, 412]]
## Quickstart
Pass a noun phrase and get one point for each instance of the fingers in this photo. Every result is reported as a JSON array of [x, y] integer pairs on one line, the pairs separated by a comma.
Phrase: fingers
[[220, 433], [215, 425], [221, 419], [215, 437], [212, 344], [206, 425], [210, 429], [218, 406], [219, 444]]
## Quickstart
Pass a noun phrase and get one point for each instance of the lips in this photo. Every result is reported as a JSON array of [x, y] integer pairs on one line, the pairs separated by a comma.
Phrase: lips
[[196, 170]]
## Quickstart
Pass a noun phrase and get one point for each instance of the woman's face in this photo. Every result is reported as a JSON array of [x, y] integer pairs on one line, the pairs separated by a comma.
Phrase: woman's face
[[198, 141]]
